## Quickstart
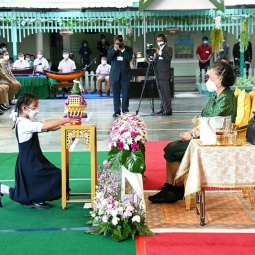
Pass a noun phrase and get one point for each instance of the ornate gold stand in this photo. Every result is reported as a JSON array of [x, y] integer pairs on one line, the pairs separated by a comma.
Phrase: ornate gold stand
[[68, 135]]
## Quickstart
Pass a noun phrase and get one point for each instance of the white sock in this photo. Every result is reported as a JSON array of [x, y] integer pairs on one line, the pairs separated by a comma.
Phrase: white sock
[[4, 189]]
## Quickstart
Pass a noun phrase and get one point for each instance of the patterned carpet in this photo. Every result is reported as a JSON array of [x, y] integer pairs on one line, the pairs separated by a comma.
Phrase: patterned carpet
[[223, 210]]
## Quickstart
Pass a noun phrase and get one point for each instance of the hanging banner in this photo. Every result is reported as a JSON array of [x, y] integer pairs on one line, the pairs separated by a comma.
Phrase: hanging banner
[[184, 47], [219, 4], [143, 4]]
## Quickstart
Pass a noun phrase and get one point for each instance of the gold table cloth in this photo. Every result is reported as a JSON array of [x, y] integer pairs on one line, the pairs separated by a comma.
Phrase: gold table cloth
[[217, 166]]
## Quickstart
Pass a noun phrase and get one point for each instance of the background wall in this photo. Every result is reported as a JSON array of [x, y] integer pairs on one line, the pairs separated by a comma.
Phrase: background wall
[[53, 46]]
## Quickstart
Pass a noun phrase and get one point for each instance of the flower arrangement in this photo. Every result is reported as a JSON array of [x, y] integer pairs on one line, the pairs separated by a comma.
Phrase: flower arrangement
[[244, 35], [123, 217], [127, 139], [217, 35], [80, 86]]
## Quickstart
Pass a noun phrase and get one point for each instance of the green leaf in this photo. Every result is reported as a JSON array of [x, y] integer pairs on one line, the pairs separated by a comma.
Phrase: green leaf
[[135, 162], [90, 222], [95, 231]]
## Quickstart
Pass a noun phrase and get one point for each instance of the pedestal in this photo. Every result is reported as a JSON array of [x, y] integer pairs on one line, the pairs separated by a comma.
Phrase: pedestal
[[68, 135]]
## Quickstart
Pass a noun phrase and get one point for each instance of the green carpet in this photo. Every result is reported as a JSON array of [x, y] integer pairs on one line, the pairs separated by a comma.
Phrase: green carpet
[[15, 216]]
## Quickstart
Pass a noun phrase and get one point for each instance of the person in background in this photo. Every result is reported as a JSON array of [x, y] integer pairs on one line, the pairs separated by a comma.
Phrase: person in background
[[85, 53], [204, 54], [222, 54], [102, 47], [27, 58], [71, 56], [3, 47], [41, 63], [32, 59], [7, 78], [120, 56], [1, 55], [10, 62], [102, 72], [247, 53], [66, 65], [20, 63], [4, 98]]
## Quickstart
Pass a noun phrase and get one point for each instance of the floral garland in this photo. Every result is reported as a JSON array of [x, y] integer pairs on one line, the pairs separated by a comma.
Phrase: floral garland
[[127, 139], [244, 35], [123, 217]]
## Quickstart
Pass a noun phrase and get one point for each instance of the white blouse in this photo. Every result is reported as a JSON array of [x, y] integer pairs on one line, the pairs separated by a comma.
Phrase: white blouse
[[26, 128]]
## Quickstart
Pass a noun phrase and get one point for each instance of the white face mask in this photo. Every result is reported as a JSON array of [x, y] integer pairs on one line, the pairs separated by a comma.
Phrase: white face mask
[[32, 113], [39, 56], [4, 49], [103, 40], [84, 44], [6, 57], [21, 58], [211, 86], [160, 44], [223, 40], [65, 56], [103, 62], [27, 59]]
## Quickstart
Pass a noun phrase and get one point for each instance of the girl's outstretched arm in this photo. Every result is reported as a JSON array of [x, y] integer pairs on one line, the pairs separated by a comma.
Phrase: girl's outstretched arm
[[56, 124]]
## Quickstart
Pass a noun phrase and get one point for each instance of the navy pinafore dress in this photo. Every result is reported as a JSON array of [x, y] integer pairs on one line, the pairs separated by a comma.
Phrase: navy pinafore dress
[[36, 179]]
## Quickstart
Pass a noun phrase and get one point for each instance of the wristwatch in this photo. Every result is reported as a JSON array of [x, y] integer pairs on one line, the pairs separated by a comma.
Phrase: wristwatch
[[193, 135]]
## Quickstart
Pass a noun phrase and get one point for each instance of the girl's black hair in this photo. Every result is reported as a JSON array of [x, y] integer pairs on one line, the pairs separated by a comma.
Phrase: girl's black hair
[[24, 99], [224, 70]]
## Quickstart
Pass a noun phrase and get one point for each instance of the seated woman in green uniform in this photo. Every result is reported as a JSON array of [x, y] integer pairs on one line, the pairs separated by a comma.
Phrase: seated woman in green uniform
[[222, 103]]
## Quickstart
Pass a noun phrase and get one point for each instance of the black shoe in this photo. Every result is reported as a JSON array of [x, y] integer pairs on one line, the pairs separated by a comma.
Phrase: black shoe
[[11, 102], [165, 196], [7, 106], [3, 108], [180, 191], [115, 115], [39, 206], [158, 112], [1, 195], [167, 113], [166, 187]]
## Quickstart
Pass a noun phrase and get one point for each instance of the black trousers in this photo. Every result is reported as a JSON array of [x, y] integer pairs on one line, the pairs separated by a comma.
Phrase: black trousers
[[204, 65], [165, 95]]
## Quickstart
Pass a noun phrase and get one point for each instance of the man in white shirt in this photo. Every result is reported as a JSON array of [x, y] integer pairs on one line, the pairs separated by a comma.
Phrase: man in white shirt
[[102, 73], [66, 65], [41, 63], [20, 63]]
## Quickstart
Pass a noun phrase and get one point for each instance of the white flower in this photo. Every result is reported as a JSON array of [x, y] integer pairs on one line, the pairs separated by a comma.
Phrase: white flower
[[115, 221], [109, 206], [100, 194], [127, 135], [126, 147], [116, 203], [138, 138], [114, 213], [104, 202], [136, 218], [106, 161], [104, 218], [120, 209], [93, 215]]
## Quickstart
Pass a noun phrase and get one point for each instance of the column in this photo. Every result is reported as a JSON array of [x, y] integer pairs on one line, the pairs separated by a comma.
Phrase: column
[[39, 40], [14, 42], [67, 43]]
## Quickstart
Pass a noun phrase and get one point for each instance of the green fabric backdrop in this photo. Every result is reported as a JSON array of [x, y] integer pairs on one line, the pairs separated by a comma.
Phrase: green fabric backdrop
[[36, 85]]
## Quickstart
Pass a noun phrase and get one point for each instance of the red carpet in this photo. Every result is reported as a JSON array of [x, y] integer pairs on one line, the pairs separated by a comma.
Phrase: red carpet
[[155, 165], [200, 243]]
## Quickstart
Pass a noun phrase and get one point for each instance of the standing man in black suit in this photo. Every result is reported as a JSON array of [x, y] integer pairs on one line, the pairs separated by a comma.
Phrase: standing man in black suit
[[163, 62], [236, 52], [120, 56], [102, 47]]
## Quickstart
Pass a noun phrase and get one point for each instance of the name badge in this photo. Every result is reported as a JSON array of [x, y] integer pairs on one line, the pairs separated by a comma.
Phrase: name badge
[[119, 58], [160, 58], [85, 52], [207, 52]]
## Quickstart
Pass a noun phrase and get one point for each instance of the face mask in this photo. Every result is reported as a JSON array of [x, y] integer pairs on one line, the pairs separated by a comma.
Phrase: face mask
[[65, 56], [160, 44], [4, 49], [32, 113], [27, 59], [205, 42], [223, 40], [6, 57], [239, 40], [211, 86], [84, 44], [39, 56], [21, 58], [104, 62], [103, 40]]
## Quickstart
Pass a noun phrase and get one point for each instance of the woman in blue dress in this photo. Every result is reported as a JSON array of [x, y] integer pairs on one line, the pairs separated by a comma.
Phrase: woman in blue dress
[[36, 179]]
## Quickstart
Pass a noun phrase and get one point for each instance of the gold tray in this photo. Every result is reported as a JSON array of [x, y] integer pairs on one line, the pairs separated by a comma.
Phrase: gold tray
[[239, 143]]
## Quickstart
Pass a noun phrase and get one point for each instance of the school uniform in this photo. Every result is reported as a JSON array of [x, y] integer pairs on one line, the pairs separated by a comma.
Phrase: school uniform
[[36, 179]]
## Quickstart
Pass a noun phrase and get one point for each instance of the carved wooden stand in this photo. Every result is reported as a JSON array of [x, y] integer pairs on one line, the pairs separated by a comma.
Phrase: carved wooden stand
[[68, 135]]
